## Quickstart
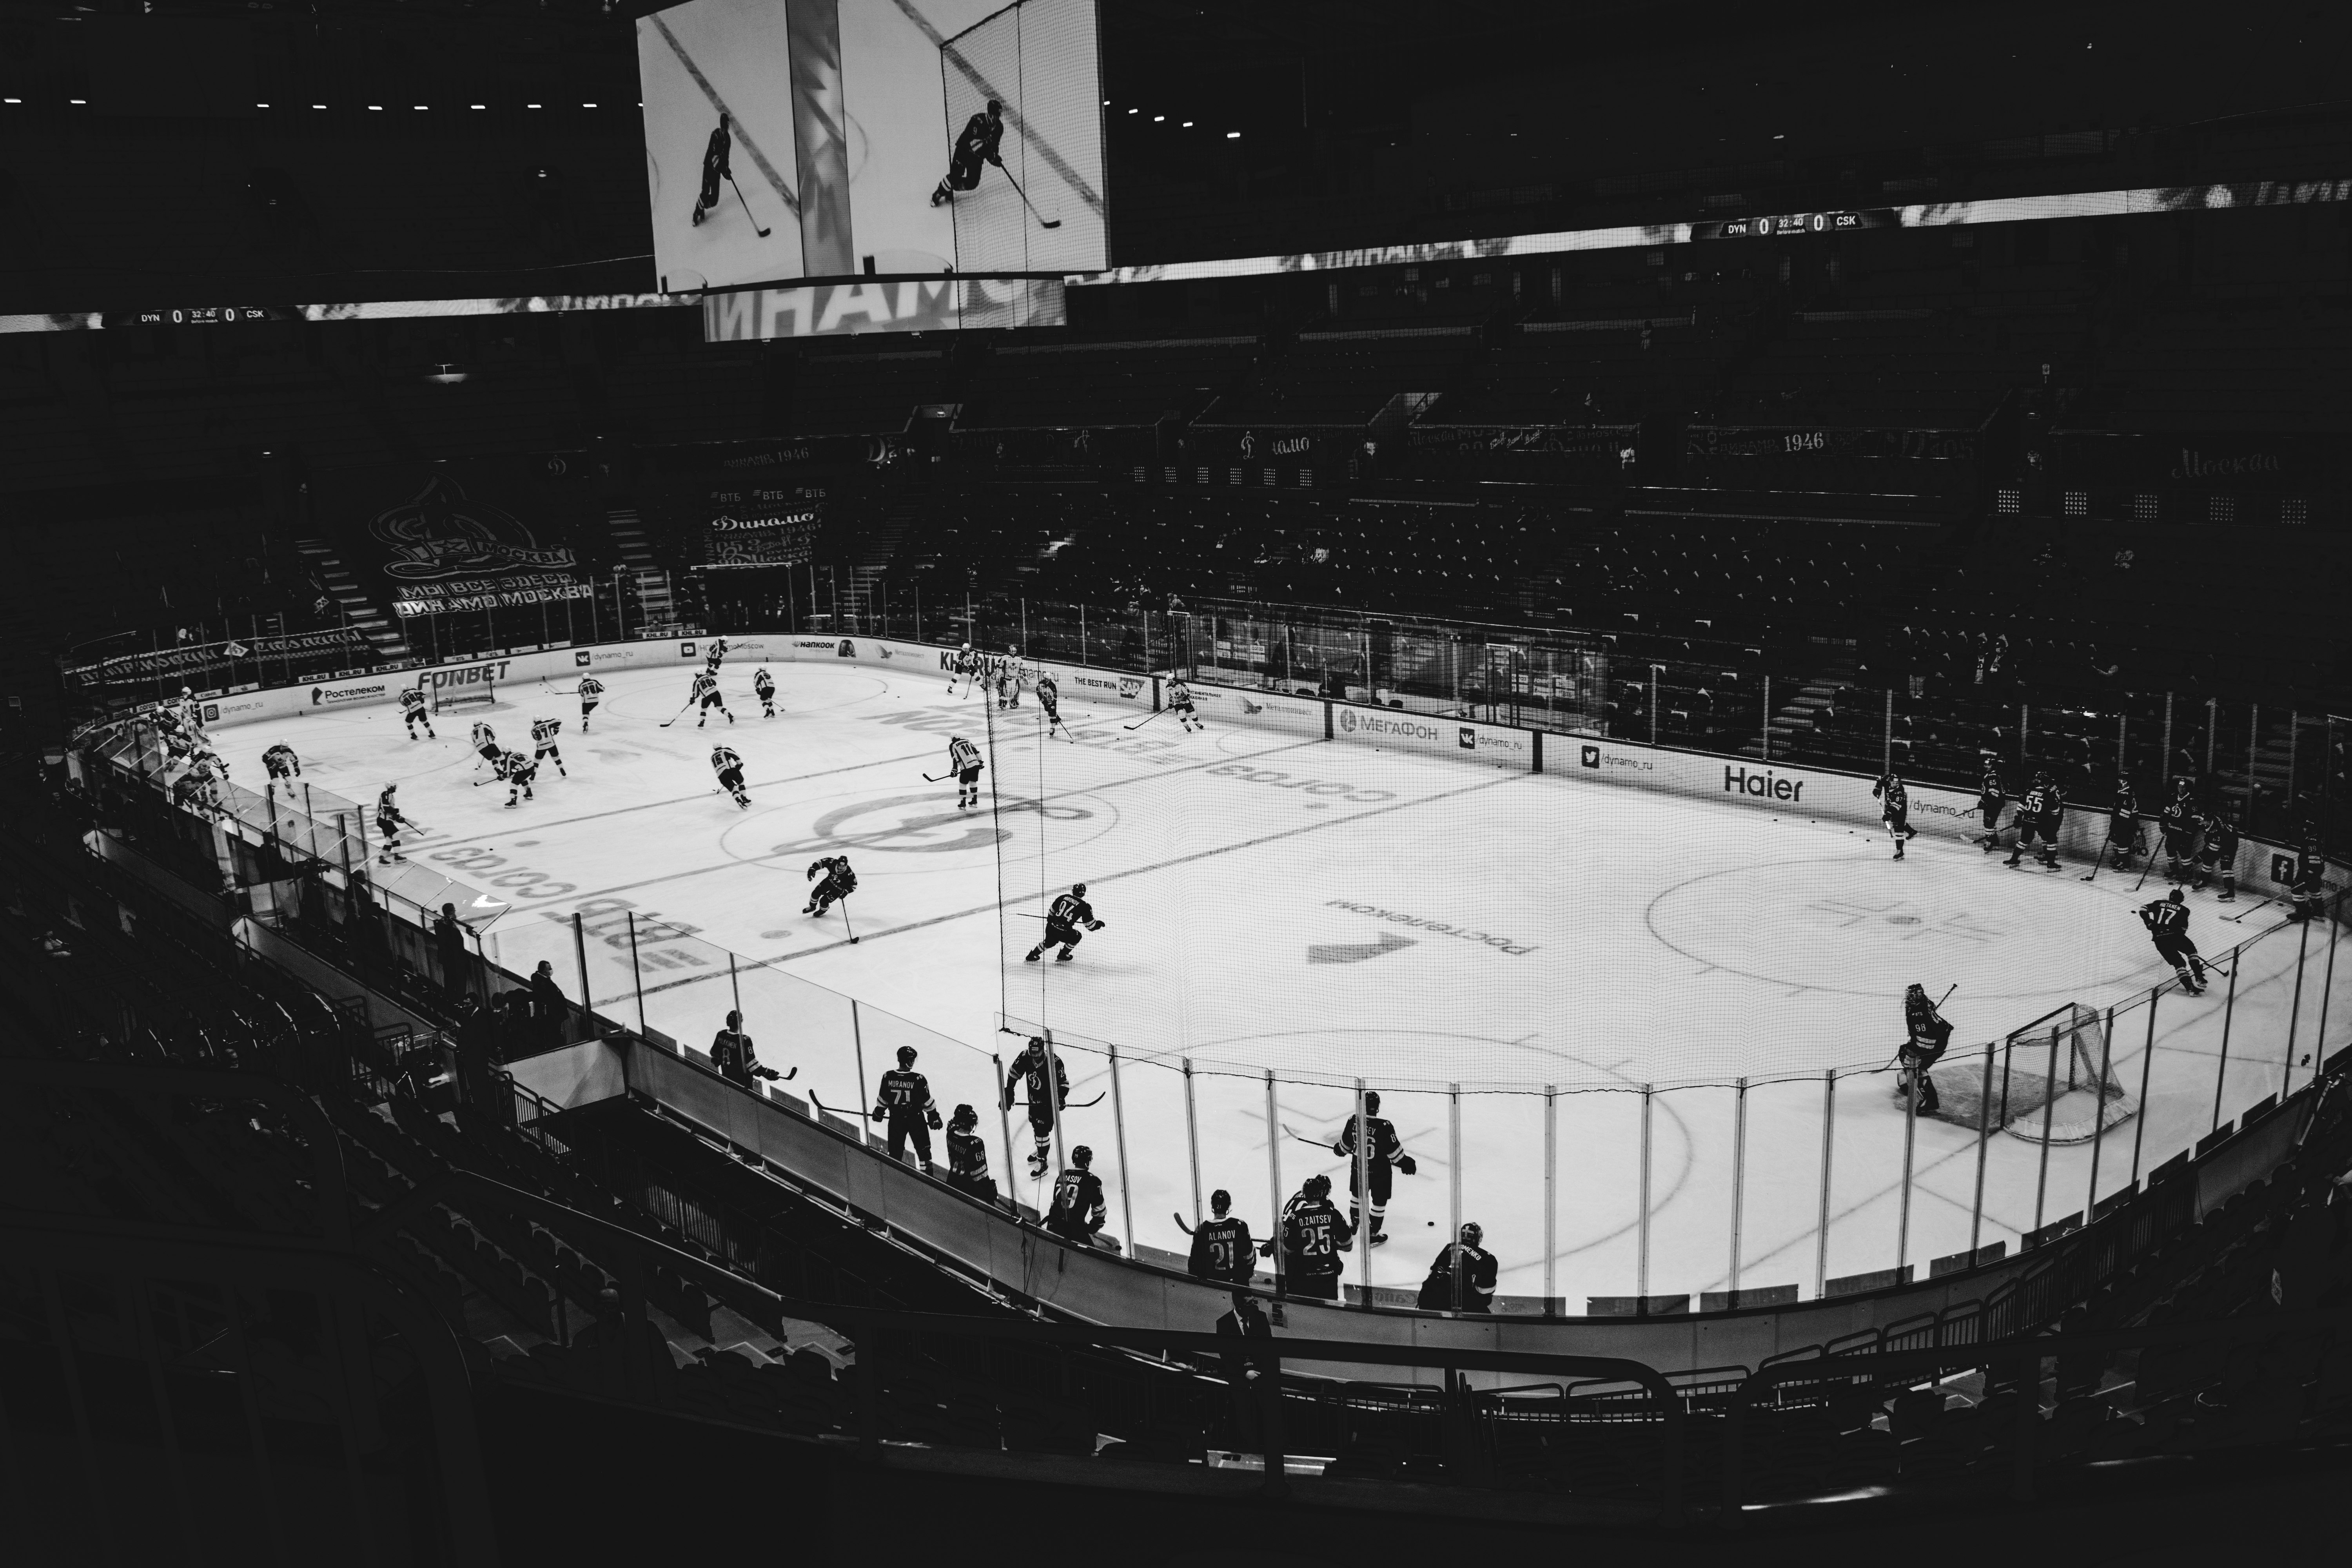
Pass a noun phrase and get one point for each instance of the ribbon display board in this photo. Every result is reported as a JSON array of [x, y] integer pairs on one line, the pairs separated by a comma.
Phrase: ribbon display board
[[1707, 443]]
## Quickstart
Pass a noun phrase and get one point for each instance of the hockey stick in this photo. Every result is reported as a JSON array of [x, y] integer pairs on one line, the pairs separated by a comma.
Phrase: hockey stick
[[1043, 221], [1290, 1132], [845, 920], [1068, 1104], [676, 716], [1180, 1224], [2241, 915], [746, 208], [1146, 719]]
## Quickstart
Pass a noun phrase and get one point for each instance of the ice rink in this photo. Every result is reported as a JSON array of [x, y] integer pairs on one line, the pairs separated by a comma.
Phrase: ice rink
[[1460, 938]]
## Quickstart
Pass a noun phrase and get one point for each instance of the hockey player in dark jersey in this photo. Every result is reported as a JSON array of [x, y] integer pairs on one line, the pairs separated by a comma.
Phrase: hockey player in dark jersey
[[983, 135], [1049, 697], [714, 655], [542, 741], [729, 769], [1077, 1212], [2219, 853], [2123, 826], [485, 742], [2038, 814], [963, 761], [592, 691], [1383, 1152], [1895, 811], [389, 821], [706, 695], [764, 687], [1039, 1074], [733, 1054], [518, 771], [839, 882], [1069, 911], [1221, 1248], [2180, 821], [1461, 1277], [2308, 891], [1313, 1235], [714, 161], [1925, 1036], [2168, 926], [1990, 798], [968, 1156], [904, 1099], [415, 710], [280, 763], [1179, 702]]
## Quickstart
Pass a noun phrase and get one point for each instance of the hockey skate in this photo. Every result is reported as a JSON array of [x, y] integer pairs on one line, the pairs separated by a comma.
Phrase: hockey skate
[[1032, 956], [1898, 849], [1064, 957]]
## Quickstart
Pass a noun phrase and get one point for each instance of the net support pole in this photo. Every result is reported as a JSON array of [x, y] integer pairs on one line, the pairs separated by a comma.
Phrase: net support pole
[[1192, 1141], [1984, 1142], [1273, 1180], [1054, 1072], [2049, 1110], [2294, 1008], [1887, 752], [2099, 1111], [1364, 1193], [2253, 748], [636, 975], [2213, 720], [1551, 1196], [2024, 726], [2293, 745], [1829, 1149], [2167, 776], [2122, 768], [1739, 1179], [1082, 646], [1005, 1121], [1642, 1252], [1453, 1184], [1118, 1137], [1910, 1139], [579, 960], [2221, 1062], [1766, 732], [734, 989], [2327, 988], [2147, 1068]]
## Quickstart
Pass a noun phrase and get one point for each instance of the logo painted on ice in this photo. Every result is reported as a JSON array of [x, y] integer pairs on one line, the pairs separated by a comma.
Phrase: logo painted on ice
[[910, 824]]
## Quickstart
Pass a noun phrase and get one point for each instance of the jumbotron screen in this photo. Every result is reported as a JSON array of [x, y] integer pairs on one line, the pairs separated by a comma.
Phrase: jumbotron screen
[[835, 138]]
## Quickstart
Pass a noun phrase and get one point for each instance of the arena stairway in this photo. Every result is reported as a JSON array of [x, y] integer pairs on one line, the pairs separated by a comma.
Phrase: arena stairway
[[358, 609]]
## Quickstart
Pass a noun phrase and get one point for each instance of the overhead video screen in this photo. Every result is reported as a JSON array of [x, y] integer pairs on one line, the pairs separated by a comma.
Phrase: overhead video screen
[[834, 139]]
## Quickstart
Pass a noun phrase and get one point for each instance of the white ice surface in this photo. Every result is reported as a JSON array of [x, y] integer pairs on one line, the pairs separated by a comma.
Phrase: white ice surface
[[1659, 940]]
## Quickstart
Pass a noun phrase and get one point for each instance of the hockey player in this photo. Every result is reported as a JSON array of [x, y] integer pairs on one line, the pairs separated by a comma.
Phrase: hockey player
[[968, 1156], [839, 882], [1049, 697], [904, 1100], [729, 769], [280, 763], [2038, 814], [706, 695], [1078, 1212], [982, 135], [2308, 891], [1008, 679], [1179, 702], [518, 771], [1034, 1069], [415, 710], [715, 158], [485, 741], [963, 761], [732, 1054], [2180, 823], [2123, 825], [1221, 1247], [764, 687], [713, 655], [1461, 1277], [1383, 1152], [1926, 1033], [542, 741], [1990, 798], [388, 824], [1895, 811], [191, 713], [200, 786], [2168, 926], [592, 691], [2219, 853], [1313, 1237], [963, 665], [1068, 913]]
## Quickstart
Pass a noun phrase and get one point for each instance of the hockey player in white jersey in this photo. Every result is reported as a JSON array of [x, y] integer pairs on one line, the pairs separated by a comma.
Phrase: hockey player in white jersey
[[543, 740], [706, 695], [963, 762], [415, 710]]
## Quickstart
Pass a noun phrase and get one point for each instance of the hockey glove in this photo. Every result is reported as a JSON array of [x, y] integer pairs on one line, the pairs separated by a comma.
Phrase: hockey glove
[[1096, 925], [933, 1120], [1405, 1164]]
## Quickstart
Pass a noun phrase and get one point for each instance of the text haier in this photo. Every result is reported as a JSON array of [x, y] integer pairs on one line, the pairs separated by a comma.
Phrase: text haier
[[1739, 780]]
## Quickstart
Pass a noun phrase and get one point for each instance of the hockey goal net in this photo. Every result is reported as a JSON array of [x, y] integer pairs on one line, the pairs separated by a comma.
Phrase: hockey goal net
[[2051, 1081], [479, 693]]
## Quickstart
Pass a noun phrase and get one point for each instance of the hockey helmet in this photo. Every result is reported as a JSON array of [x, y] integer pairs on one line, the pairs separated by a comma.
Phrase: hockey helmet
[[185, 691], [734, 1020], [2043, 777], [905, 1056], [1082, 1156], [1220, 1201], [965, 1116], [1317, 1186], [1371, 1099], [1079, 889], [994, 107], [1472, 1233], [2173, 897]]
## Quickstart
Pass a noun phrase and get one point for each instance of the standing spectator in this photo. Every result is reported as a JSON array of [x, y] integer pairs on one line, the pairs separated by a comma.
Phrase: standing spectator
[[1221, 1247], [1462, 1279], [449, 938], [481, 1096], [1246, 1323], [548, 1005]]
